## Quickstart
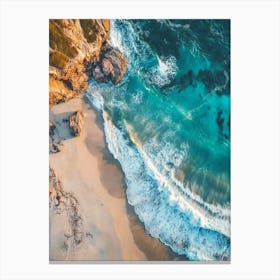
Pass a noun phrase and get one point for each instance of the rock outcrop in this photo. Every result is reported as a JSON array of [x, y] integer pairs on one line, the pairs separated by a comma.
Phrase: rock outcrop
[[54, 143], [76, 122], [111, 67], [59, 91], [75, 45], [60, 202]]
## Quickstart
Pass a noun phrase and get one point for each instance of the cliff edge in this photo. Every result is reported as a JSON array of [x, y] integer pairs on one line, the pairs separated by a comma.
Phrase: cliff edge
[[78, 50]]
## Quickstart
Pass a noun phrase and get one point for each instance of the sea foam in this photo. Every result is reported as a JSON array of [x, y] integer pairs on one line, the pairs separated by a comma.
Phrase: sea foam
[[167, 207], [160, 207], [164, 71], [159, 71]]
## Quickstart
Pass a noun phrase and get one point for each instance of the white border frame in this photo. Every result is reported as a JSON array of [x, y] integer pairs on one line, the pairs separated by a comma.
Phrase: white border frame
[[254, 139]]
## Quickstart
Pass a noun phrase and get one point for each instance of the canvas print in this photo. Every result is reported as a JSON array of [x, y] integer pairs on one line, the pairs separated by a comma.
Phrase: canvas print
[[139, 140]]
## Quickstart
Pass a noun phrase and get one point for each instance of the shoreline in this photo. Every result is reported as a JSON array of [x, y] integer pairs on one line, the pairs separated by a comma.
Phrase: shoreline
[[111, 229], [134, 220]]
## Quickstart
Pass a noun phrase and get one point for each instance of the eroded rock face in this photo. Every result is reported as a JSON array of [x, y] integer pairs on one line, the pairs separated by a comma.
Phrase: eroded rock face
[[76, 122], [73, 44], [59, 91], [77, 49], [111, 67]]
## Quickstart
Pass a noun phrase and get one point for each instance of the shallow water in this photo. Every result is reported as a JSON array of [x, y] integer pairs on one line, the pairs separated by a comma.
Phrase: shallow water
[[168, 124]]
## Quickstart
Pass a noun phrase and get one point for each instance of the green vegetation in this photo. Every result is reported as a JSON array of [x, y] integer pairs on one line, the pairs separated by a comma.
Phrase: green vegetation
[[58, 59], [60, 42], [90, 29]]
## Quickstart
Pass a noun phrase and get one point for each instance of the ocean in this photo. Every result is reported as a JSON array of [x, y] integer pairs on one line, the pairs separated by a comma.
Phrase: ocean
[[168, 124]]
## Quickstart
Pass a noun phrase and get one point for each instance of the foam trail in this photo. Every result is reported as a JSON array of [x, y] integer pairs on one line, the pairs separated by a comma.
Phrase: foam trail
[[157, 205], [169, 210], [210, 216], [163, 219], [163, 73]]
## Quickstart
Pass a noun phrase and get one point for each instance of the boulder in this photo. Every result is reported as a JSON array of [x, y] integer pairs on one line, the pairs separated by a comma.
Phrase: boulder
[[117, 65], [54, 148], [111, 67], [99, 76], [76, 122]]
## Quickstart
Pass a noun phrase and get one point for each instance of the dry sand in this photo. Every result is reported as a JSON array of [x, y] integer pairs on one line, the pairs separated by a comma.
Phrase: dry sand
[[95, 206]]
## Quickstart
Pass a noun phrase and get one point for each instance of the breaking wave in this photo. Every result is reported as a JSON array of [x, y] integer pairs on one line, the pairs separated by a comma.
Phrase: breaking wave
[[179, 219], [167, 206]]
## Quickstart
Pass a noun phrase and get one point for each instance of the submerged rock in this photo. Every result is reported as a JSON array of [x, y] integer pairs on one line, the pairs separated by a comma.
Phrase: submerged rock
[[76, 122]]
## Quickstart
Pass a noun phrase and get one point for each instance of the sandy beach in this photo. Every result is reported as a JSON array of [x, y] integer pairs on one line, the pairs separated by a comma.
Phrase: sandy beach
[[93, 221]]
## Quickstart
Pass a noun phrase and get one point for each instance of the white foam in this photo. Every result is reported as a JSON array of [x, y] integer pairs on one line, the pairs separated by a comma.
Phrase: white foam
[[147, 192], [160, 200], [158, 206], [96, 99], [175, 26], [222, 87], [169, 211], [156, 156], [164, 72], [123, 37], [137, 97], [116, 38], [195, 49]]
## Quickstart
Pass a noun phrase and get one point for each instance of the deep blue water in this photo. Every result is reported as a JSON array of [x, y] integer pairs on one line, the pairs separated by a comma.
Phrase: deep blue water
[[168, 124]]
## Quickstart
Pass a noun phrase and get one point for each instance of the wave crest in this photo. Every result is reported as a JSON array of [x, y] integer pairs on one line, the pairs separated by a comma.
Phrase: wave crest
[[163, 210]]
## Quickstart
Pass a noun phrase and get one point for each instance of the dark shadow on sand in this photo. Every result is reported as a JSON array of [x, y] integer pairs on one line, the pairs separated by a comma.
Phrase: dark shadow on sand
[[62, 129], [151, 247]]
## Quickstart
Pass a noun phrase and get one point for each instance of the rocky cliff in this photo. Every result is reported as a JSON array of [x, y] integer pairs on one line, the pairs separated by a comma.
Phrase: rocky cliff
[[78, 49]]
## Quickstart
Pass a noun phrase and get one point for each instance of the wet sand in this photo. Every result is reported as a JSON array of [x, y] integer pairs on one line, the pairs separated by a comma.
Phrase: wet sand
[[110, 230]]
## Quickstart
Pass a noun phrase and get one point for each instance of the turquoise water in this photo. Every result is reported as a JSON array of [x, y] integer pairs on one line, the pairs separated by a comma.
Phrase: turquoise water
[[168, 124]]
